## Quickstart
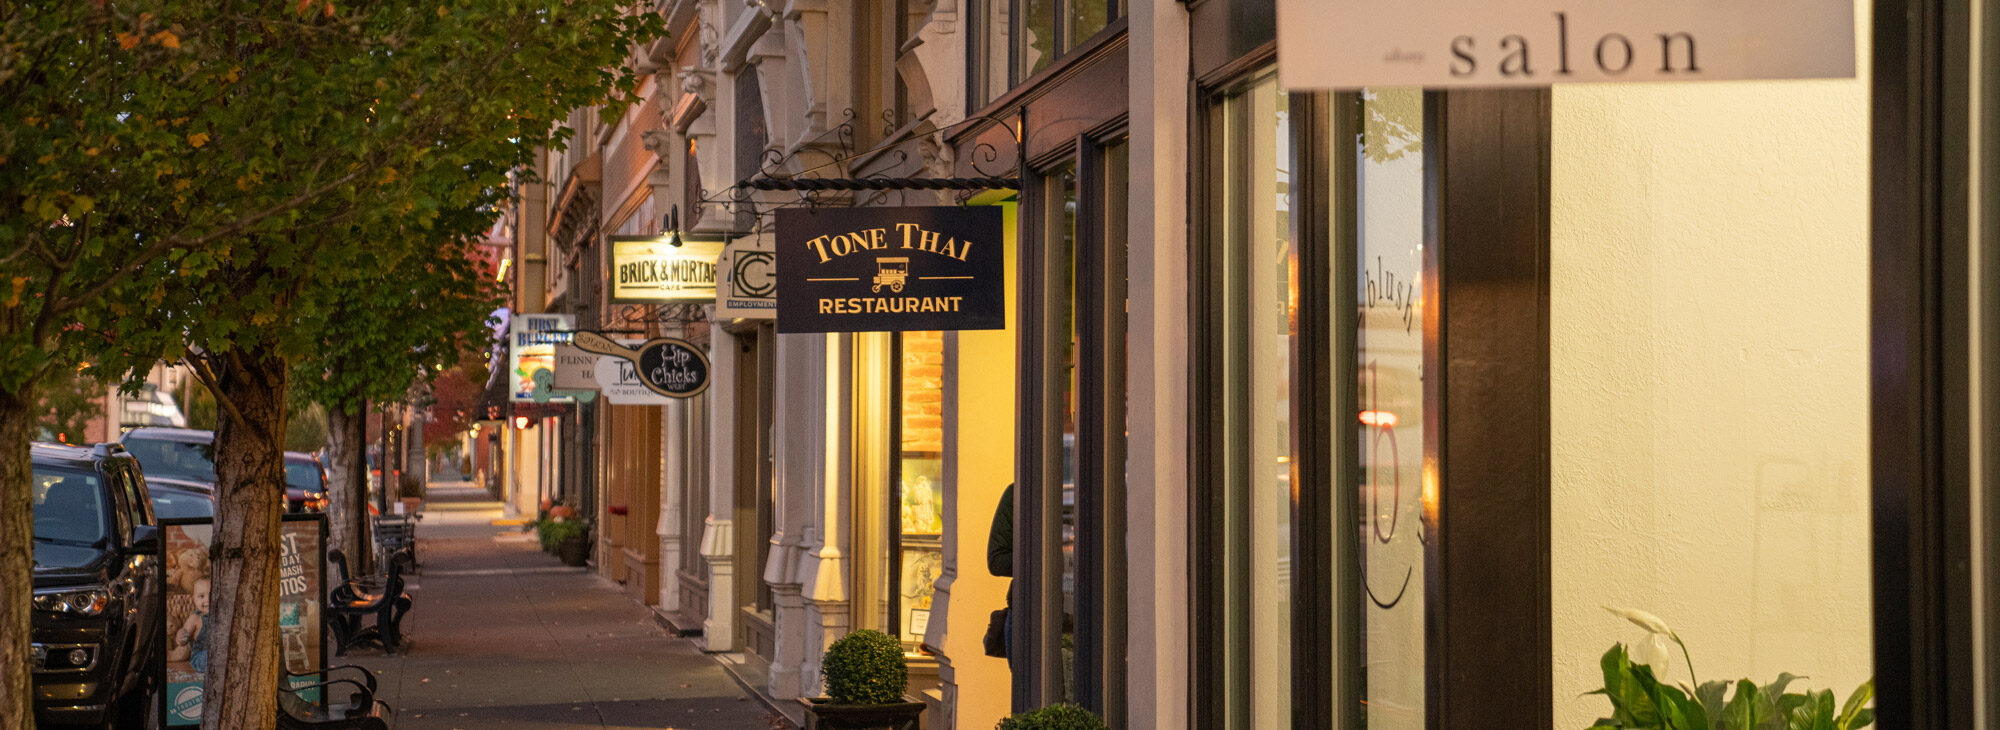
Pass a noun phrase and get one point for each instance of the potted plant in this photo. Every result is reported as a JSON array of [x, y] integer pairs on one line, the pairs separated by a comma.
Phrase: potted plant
[[565, 538], [865, 678], [1642, 700], [1063, 716], [411, 488]]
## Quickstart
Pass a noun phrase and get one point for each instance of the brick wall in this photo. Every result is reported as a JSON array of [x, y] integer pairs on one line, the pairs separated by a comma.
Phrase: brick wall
[[923, 392]]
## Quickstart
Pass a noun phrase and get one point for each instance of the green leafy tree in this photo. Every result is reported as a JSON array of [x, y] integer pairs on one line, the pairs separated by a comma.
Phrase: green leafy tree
[[187, 179]]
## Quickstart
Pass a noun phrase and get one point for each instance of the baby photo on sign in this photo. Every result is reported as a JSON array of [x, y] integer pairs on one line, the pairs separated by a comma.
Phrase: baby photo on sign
[[187, 619]]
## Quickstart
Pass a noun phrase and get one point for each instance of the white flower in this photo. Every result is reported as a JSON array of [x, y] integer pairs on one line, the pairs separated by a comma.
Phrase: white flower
[[1645, 620], [1653, 652]]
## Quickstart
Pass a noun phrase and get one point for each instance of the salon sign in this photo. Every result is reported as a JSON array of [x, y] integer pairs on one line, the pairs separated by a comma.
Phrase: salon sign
[[1348, 44], [891, 269]]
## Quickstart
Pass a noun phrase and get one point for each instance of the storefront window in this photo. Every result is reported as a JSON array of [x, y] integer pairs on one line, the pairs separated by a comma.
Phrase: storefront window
[[1013, 40], [1394, 488], [1253, 239], [919, 474]]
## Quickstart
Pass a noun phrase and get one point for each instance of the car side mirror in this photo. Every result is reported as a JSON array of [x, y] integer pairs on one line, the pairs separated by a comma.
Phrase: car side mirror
[[146, 539]]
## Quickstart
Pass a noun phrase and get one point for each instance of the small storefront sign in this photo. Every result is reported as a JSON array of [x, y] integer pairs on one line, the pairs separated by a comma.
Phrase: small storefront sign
[[301, 584], [891, 269], [654, 269], [747, 279], [1348, 44], [665, 366], [617, 378], [531, 348]]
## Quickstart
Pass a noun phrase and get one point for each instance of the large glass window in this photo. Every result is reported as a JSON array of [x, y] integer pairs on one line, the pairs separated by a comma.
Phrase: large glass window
[[1396, 493], [920, 508], [1016, 39], [1255, 296]]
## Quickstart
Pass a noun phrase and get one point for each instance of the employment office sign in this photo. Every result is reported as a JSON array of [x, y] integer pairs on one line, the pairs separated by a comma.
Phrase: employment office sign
[[1347, 44], [652, 269], [747, 279], [891, 269]]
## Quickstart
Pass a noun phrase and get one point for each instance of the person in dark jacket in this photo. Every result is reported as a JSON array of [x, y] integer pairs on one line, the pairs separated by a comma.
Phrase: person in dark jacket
[[1000, 562]]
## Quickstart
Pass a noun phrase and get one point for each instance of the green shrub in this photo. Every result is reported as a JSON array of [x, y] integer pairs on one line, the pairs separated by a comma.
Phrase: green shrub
[[1054, 717], [865, 668], [553, 532]]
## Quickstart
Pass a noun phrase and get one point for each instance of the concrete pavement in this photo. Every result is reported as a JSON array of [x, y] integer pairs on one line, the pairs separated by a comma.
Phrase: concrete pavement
[[504, 635]]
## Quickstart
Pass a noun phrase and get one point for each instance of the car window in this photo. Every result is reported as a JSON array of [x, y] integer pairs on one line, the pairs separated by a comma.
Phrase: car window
[[173, 459], [176, 505], [303, 475], [69, 506], [135, 495]]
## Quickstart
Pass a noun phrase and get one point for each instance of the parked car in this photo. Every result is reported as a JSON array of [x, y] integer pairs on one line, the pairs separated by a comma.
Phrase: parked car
[[188, 455], [178, 498], [96, 600], [305, 482]]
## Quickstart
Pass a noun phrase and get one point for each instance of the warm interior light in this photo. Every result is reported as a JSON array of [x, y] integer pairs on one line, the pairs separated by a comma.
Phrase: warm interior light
[[520, 422], [1379, 419]]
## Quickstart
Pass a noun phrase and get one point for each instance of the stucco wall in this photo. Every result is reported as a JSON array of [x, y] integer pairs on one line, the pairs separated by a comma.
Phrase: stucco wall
[[1710, 378]]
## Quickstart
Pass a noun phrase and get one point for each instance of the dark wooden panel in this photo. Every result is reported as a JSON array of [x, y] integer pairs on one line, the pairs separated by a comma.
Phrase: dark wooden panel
[[1487, 166], [1919, 376]]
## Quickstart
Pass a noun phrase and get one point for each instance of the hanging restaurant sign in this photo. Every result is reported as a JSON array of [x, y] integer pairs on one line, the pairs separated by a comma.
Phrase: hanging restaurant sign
[[891, 269], [653, 269], [667, 366], [1348, 44]]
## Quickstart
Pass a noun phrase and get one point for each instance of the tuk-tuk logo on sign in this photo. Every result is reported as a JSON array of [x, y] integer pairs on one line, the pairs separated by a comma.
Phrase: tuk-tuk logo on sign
[[891, 269]]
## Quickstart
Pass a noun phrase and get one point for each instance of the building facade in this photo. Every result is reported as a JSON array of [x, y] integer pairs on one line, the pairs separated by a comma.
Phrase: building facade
[[1316, 408]]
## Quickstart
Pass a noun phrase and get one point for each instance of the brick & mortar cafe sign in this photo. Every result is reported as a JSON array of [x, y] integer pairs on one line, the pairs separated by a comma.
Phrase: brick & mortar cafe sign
[[1347, 44], [653, 269], [891, 269]]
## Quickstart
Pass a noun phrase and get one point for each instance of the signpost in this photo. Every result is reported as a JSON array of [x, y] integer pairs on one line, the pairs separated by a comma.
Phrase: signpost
[[891, 269], [1348, 44]]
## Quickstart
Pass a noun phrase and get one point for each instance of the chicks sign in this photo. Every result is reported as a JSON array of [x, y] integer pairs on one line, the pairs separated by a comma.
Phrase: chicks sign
[[891, 269]]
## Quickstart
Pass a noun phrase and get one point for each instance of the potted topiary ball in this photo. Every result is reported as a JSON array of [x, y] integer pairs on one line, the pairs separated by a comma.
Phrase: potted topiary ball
[[865, 678], [1054, 717]]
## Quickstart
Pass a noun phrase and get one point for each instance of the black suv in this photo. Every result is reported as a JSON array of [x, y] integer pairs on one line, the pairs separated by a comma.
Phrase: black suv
[[97, 590]]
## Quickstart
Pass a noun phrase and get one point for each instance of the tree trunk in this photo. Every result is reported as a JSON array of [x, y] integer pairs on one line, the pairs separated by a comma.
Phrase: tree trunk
[[347, 492], [242, 676], [418, 462], [17, 530]]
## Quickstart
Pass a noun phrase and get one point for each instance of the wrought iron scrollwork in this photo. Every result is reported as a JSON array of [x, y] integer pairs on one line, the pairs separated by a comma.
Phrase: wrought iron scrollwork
[[678, 313]]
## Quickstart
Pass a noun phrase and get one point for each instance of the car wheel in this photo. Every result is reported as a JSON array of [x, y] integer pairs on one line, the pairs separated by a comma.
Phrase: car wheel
[[140, 708]]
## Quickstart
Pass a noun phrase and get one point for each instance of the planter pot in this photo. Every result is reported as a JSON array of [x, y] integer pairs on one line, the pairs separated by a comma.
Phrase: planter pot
[[412, 505], [821, 714], [573, 551]]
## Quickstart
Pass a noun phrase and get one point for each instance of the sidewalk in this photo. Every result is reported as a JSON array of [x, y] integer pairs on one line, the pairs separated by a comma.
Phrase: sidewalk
[[503, 635]]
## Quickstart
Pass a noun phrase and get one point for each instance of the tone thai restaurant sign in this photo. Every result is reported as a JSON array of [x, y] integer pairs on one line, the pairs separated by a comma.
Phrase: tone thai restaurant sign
[[891, 269], [1348, 44], [651, 269]]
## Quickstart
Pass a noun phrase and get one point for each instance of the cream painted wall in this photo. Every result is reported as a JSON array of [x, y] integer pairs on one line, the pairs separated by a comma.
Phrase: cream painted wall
[[984, 456], [1709, 358]]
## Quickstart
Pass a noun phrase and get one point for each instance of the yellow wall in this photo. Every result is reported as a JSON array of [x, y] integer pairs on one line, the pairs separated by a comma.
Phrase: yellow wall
[[985, 454], [1709, 350]]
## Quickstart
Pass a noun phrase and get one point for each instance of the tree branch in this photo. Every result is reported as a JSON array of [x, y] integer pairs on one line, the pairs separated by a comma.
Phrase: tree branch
[[205, 372]]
